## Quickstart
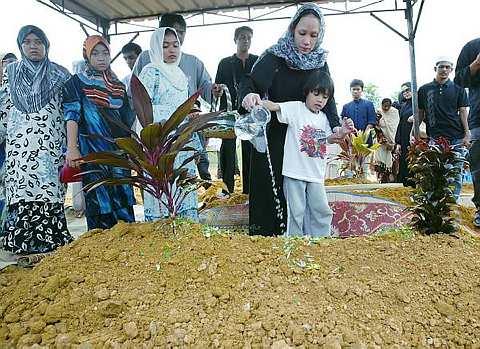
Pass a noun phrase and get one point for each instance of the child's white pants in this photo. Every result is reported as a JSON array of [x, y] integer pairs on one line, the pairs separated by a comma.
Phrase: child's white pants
[[308, 209]]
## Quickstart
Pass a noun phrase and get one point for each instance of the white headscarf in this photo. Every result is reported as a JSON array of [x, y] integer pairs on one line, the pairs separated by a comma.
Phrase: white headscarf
[[170, 70]]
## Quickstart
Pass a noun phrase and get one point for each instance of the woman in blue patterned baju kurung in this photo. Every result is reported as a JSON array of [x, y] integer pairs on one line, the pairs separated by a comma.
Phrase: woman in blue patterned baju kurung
[[85, 94], [167, 86]]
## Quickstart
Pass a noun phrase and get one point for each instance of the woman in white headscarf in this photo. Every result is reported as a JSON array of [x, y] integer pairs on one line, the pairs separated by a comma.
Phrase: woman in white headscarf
[[387, 123], [167, 86]]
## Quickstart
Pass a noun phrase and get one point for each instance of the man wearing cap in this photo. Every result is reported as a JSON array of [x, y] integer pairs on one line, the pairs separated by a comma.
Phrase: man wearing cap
[[467, 74], [442, 104], [231, 70]]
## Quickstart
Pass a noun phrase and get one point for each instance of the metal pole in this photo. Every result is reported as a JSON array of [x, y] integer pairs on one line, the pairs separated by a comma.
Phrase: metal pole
[[413, 68]]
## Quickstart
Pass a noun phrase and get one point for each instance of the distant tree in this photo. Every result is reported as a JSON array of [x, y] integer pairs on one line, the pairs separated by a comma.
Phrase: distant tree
[[370, 91]]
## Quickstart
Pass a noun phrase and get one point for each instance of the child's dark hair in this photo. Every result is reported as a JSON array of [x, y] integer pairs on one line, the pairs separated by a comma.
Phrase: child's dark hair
[[319, 82]]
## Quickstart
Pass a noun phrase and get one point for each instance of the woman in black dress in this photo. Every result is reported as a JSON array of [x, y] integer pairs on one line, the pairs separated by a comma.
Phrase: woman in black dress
[[402, 138], [280, 73]]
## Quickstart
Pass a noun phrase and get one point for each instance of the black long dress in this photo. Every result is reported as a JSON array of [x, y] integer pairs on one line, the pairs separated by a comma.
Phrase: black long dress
[[403, 138], [272, 78]]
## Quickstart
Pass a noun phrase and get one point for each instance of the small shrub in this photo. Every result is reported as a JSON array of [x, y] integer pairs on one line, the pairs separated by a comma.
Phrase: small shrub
[[433, 169], [355, 150]]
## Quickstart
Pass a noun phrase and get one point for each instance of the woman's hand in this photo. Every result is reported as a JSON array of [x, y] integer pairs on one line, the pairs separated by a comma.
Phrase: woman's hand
[[73, 154], [217, 90], [251, 100], [410, 119]]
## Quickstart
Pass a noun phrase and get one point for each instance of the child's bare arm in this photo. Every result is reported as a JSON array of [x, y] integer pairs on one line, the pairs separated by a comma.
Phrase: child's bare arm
[[272, 106]]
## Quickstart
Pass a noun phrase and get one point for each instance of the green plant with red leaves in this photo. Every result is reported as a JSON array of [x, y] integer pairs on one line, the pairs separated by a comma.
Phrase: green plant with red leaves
[[355, 150], [434, 171], [150, 156]]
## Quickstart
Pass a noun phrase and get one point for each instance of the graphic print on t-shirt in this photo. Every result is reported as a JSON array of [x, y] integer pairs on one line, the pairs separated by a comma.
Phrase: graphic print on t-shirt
[[313, 142]]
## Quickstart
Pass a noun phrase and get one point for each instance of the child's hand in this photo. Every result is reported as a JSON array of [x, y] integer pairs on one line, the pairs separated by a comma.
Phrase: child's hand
[[347, 126]]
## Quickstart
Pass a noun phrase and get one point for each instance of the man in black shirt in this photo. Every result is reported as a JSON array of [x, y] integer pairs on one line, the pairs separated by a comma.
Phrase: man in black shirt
[[230, 72], [442, 104], [467, 74]]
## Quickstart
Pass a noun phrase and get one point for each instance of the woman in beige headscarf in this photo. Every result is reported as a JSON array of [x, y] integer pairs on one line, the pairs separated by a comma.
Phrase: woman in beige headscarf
[[387, 123]]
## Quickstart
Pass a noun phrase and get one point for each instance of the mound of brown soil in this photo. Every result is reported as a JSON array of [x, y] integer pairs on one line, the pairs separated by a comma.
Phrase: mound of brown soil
[[346, 181], [130, 287]]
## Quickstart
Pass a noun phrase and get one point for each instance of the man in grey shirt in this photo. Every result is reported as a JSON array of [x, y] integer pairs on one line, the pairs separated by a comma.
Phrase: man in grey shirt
[[194, 69]]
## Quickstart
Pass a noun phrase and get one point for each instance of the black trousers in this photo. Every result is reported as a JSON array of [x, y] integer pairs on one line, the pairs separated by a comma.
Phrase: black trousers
[[203, 163], [227, 162], [246, 158]]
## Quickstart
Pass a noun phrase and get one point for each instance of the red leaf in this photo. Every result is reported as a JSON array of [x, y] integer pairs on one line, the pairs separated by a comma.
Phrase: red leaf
[[141, 101]]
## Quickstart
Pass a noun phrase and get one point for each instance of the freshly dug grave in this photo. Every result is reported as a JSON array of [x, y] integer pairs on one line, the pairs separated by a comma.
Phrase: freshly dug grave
[[130, 287], [347, 181], [212, 197]]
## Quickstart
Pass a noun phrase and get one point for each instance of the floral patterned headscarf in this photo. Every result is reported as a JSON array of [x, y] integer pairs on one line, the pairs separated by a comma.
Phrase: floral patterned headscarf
[[285, 47]]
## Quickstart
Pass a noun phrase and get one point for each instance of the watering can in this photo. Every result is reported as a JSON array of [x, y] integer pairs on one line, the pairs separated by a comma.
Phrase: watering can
[[253, 127]]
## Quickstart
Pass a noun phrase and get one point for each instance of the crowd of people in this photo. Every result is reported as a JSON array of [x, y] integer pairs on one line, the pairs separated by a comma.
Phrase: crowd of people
[[50, 119]]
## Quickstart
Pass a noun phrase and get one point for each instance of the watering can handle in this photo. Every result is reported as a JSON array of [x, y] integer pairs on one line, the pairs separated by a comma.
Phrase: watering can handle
[[228, 97]]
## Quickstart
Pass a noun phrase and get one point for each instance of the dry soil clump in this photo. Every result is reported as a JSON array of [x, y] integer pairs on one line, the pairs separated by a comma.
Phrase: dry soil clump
[[131, 287]]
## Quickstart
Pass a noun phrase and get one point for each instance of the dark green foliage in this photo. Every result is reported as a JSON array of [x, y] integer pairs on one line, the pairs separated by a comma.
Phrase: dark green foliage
[[433, 170]]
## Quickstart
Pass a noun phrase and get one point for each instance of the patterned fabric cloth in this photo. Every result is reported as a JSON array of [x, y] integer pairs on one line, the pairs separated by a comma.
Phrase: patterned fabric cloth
[[35, 227], [34, 84], [79, 108], [35, 143], [285, 47], [165, 100]]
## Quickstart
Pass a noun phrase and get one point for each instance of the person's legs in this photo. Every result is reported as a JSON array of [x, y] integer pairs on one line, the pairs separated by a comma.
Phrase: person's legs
[[203, 163], [475, 154], [227, 155], [460, 153], [294, 190], [246, 154], [102, 221], [319, 215], [35, 227], [125, 214]]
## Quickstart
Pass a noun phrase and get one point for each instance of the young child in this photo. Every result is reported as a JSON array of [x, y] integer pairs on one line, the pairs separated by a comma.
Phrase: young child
[[305, 157]]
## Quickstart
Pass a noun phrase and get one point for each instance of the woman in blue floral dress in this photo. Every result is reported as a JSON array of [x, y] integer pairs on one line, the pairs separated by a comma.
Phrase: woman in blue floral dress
[[94, 89], [167, 86]]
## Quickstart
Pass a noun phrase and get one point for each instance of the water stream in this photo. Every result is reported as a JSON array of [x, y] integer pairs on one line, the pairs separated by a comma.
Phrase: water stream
[[253, 127]]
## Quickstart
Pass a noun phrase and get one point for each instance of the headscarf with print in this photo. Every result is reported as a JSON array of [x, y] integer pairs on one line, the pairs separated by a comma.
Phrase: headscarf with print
[[34, 83], [102, 88], [171, 71], [285, 47]]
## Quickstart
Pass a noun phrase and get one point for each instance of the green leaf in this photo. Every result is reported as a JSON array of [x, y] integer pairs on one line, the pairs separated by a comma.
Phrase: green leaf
[[110, 159], [151, 136], [131, 146], [179, 115]]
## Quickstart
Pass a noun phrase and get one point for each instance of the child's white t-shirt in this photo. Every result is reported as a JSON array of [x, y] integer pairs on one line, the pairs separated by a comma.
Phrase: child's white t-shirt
[[305, 151]]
